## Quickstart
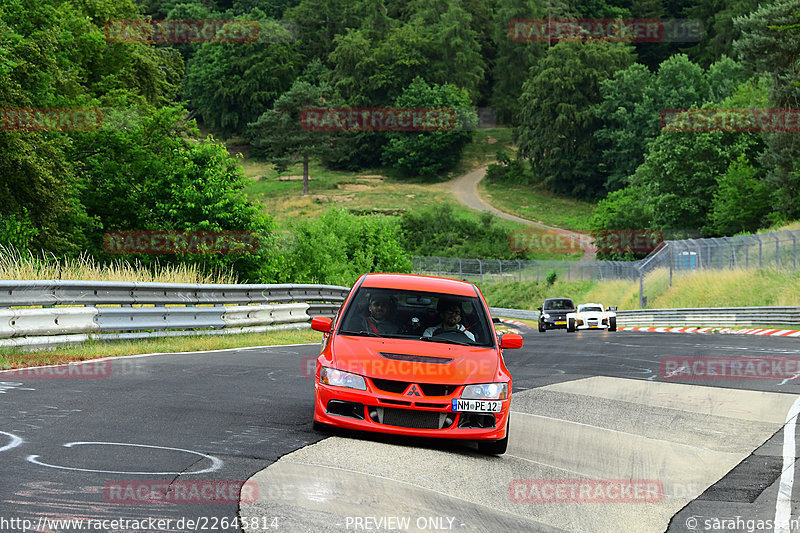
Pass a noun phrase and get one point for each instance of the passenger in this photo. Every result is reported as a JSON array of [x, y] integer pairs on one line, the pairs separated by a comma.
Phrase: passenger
[[450, 313]]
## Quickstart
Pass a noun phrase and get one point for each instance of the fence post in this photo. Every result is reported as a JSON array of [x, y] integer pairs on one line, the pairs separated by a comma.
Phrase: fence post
[[537, 271], [439, 272], [519, 268], [641, 288], [480, 268], [460, 270]]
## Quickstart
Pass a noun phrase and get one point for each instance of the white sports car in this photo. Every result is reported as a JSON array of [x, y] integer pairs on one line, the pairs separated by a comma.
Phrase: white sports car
[[592, 316]]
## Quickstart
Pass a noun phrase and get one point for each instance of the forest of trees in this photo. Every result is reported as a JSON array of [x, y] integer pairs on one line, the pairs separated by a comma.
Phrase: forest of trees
[[586, 113]]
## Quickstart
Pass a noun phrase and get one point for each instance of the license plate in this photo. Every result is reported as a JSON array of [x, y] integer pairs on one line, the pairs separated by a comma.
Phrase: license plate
[[477, 406], [561, 322]]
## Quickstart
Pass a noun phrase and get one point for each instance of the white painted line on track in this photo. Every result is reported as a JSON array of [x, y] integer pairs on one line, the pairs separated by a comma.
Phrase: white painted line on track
[[783, 505], [13, 443], [216, 464]]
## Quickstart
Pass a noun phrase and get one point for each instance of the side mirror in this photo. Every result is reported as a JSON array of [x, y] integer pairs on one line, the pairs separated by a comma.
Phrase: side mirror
[[321, 323], [511, 341], [496, 320], [612, 307], [539, 308]]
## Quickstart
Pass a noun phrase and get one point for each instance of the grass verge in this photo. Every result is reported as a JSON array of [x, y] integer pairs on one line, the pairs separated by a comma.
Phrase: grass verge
[[534, 203], [15, 358]]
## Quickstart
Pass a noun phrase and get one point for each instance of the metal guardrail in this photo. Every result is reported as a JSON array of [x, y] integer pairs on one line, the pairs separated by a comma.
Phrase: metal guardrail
[[32, 312], [729, 317], [726, 317]]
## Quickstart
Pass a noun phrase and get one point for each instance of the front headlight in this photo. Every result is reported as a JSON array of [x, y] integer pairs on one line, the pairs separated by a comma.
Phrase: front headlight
[[337, 378], [546, 315], [487, 391]]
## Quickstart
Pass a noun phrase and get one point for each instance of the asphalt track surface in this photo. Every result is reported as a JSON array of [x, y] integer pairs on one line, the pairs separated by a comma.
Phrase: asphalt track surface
[[592, 405]]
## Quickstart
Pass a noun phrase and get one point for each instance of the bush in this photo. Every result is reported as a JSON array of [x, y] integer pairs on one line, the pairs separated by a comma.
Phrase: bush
[[440, 231], [338, 247]]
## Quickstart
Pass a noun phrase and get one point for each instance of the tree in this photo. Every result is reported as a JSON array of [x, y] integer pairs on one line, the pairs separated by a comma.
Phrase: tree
[[155, 175], [680, 171], [514, 58], [427, 154], [455, 54], [556, 118], [629, 122], [232, 84], [279, 136], [318, 22], [742, 200], [769, 44]]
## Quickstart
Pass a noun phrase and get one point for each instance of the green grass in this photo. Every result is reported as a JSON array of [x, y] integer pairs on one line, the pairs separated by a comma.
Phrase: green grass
[[16, 358], [483, 149], [534, 203]]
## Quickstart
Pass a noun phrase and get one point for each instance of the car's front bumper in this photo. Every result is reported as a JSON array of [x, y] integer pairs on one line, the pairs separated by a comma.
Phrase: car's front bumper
[[363, 410]]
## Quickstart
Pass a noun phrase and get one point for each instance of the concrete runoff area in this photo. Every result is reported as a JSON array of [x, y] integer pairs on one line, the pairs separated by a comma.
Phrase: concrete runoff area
[[679, 438]]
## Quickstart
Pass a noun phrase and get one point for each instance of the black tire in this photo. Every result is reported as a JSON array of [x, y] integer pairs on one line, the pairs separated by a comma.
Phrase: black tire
[[495, 447], [571, 325], [542, 329], [319, 426], [612, 324]]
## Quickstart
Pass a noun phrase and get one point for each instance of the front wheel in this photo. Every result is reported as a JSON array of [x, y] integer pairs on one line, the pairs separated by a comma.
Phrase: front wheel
[[612, 324], [542, 329], [571, 325], [495, 447]]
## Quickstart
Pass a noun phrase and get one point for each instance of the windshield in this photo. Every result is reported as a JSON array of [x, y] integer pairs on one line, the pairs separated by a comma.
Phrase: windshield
[[429, 316], [591, 309], [558, 304]]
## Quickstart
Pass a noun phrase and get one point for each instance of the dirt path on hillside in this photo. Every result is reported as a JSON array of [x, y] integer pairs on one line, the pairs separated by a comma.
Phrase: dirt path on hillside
[[465, 189]]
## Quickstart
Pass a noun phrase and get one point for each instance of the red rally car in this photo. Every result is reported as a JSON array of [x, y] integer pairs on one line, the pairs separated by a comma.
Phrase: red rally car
[[418, 356]]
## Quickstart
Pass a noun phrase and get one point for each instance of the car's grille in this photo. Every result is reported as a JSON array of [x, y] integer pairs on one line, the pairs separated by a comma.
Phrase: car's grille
[[408, 418], [428, 389]]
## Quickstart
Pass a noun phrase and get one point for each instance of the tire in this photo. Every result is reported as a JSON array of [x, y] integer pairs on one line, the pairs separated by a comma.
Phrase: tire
[[319, 426], [612, 324], [495, 447], [542, 329], [571, 325]]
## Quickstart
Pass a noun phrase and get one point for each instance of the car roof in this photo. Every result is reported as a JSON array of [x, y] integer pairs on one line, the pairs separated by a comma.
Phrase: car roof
[[416, 282], [551, 299], [588, 304]]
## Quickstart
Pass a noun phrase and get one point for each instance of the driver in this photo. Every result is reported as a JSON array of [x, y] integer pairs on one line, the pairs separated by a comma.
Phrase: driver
[[450, 312]]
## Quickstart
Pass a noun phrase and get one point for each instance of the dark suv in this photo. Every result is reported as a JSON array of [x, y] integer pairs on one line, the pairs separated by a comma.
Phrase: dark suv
[[554, 313]]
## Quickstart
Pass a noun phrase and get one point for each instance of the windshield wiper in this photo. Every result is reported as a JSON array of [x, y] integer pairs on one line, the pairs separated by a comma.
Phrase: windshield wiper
[[361, 333], [446, 341]]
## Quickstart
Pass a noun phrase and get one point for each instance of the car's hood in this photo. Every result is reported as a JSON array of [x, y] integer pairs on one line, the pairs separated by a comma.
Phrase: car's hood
[[591, 314], [414, 360]]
